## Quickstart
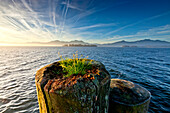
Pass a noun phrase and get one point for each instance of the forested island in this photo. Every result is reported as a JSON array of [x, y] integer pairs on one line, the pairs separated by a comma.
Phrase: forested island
[[79, 45]]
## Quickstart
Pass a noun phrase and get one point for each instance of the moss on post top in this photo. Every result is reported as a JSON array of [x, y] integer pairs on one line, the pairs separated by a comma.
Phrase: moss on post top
[[52, 75], [127, 93]]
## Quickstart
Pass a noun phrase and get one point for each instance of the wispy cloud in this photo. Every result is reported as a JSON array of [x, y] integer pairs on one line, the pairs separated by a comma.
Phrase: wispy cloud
[[21, 23], [96, 26], [72, 6], [138, 22], [90, 11], [81, 15], [153, 32]]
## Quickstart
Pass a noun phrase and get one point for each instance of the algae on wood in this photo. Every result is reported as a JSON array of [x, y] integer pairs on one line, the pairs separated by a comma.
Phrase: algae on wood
[[73, 94]]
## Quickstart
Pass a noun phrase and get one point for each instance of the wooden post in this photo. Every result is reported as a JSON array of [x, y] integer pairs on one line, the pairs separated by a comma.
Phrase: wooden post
[[82, 94], [127, 97]]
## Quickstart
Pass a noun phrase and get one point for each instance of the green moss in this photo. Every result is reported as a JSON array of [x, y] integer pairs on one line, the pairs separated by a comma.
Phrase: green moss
[[63, 104], [41, 99]]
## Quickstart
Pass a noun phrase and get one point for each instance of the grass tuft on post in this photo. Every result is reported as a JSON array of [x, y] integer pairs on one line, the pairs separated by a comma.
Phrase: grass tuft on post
[[75, 65]]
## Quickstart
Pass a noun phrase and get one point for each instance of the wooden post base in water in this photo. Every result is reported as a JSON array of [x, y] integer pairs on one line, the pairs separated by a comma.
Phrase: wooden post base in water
[[73, 94], [127, 97]]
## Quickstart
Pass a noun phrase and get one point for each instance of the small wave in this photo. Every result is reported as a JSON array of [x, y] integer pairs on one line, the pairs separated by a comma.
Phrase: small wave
[[4, 100], [155, 59]]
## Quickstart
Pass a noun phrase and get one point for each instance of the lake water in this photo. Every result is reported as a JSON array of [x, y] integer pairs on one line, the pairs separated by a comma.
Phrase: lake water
[[148, 67]]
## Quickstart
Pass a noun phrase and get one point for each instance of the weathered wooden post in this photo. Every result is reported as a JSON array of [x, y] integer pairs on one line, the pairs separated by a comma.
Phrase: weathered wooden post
[[127, 97], [78, 93]]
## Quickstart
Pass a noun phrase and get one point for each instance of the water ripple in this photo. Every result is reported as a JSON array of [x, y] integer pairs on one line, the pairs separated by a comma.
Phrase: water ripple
[[149, 68]]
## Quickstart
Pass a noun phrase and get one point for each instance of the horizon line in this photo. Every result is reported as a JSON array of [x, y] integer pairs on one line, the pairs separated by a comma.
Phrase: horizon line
[[34, 43]]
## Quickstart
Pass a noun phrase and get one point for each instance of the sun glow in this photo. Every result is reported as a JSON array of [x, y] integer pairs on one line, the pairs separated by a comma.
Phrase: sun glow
[[1, 44]]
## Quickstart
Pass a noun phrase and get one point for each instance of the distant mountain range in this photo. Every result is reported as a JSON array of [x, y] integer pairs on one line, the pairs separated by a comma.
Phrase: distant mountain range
[[146, 43], [59, 43]]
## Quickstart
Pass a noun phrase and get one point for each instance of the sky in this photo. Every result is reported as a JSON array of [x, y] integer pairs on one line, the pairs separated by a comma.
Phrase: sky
[[93, 21]]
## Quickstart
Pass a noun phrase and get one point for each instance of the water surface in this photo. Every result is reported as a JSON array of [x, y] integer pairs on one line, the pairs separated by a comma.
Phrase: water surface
[[148, 67]]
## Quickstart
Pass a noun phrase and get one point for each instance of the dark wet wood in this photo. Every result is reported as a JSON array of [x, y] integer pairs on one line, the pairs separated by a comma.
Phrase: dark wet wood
[[127, 97]]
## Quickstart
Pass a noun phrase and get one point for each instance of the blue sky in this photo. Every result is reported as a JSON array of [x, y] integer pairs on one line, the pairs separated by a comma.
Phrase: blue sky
[[94, 21]]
